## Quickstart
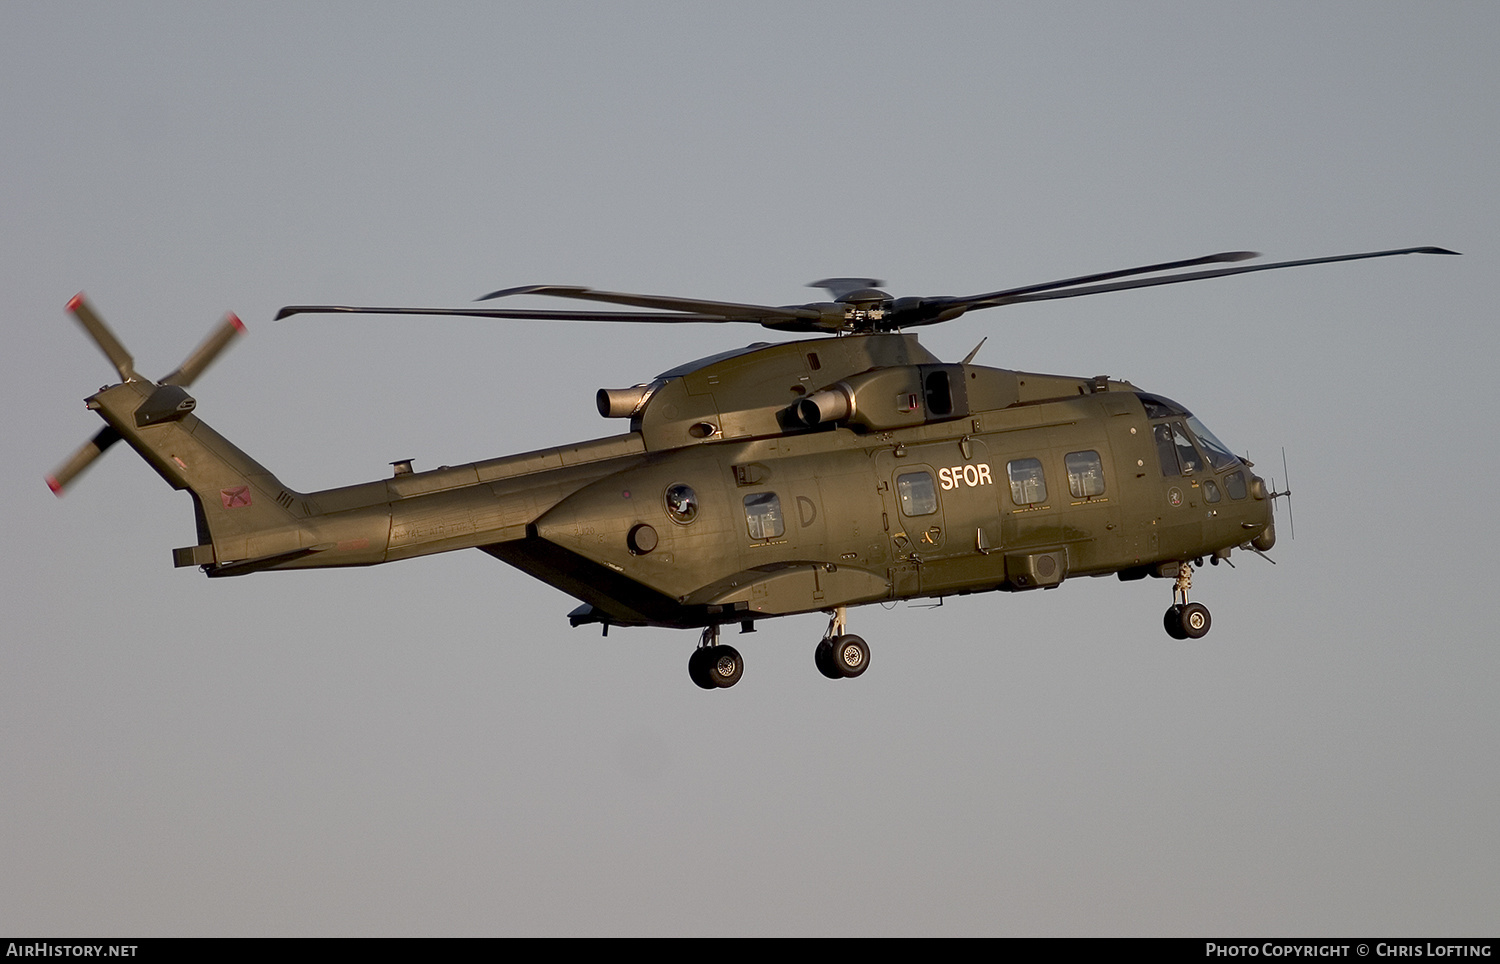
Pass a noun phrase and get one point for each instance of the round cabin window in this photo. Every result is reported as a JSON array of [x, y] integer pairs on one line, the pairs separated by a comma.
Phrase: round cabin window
[[682, 503]]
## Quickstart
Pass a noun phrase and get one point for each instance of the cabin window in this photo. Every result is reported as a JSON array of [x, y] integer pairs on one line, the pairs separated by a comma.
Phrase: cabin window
[[1234, 484], [1211, 492], [1085, 474], [918, 494], [682, 503], [1028, 486], [763, 515]]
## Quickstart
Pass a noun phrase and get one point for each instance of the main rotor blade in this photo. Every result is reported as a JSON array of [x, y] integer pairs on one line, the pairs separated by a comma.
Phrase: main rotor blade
[[1107, 275], [1017, 298], [102, 336], [729, 310], [540, 314], [204, 355], [81, 459]]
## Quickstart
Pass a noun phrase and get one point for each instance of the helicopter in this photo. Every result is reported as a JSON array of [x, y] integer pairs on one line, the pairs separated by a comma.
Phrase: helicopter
[[812, 475]]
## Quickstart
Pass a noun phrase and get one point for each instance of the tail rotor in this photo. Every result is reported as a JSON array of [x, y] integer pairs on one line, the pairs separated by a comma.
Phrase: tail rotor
[[205, 354], [181, 377], [81, 459], [103, 337]]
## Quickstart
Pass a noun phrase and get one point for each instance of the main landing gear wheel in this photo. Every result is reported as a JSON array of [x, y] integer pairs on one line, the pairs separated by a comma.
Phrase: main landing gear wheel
[[698, 667], [850, 656], [725, 666], [840, 656], [823, 657], [715, 666]]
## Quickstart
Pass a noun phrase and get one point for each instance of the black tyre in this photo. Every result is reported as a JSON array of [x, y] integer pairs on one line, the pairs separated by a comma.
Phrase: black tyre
[[1172, 623], [725, 666], [698, 667], [823, 657], [1195, 621], [851, 656]]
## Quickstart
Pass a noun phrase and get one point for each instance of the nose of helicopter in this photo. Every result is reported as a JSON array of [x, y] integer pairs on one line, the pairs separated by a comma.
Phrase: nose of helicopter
[[1264, 501]]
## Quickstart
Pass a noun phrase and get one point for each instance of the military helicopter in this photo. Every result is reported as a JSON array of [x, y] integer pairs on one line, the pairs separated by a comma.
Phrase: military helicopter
[[809, 475]]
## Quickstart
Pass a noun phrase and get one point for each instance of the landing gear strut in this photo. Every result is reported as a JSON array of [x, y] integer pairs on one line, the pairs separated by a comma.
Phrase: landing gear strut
[[840, 656], [714, 665], [1185, 620]]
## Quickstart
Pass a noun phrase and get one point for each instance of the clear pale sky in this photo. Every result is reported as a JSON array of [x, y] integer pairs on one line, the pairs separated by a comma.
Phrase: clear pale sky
[[428, 748]]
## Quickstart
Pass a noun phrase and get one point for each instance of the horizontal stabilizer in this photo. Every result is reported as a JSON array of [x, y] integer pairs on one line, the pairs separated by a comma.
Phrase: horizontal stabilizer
[[245, 566]]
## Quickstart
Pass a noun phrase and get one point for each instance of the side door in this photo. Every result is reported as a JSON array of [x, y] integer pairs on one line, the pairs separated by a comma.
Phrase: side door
[[1135, 483], [942, 516], [912, 516]]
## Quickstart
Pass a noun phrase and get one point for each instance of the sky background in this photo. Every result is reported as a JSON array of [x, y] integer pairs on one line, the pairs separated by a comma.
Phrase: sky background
[[427, 748]]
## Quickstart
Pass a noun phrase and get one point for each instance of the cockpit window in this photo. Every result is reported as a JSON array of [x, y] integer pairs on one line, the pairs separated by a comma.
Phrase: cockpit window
[[1187, 453], [1175, 449], [1166, 449], [1158, 407], [1218, 453]]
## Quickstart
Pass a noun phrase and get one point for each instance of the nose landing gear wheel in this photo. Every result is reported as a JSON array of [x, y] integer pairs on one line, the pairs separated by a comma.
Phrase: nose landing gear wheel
[[1195, 620], [1172, 622], [1187, 621]]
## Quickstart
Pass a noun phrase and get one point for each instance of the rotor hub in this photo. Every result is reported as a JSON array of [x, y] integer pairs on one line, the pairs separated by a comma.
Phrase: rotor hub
[[864, 308]]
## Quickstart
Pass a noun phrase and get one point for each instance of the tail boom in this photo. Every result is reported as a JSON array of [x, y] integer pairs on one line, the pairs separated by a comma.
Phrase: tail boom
[[249, 521]]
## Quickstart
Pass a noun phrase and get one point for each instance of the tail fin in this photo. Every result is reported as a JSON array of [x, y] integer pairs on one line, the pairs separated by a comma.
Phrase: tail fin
[[246, 518]]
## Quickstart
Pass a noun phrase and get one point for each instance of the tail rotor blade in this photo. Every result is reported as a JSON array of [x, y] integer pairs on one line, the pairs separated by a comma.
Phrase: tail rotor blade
[[204, 354], [103, 337], [81, 459]]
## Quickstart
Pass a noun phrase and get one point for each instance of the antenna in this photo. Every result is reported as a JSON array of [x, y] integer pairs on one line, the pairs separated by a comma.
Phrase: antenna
[[1287, 478]]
